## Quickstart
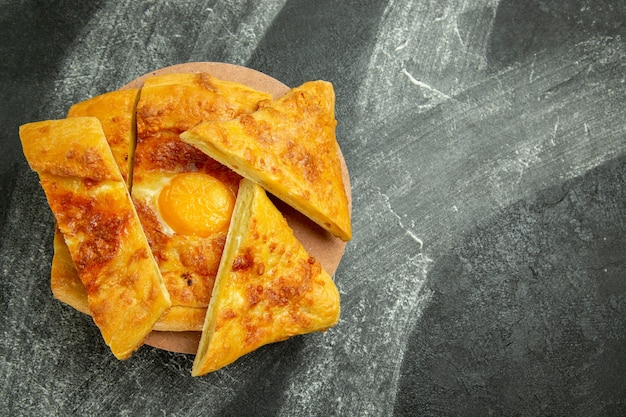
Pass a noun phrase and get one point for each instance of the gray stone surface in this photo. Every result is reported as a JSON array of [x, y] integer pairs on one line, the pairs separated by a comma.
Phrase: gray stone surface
[[486, 142]]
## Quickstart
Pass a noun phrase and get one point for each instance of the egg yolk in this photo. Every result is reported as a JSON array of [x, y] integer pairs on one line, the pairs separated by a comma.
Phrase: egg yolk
[[195, 203]]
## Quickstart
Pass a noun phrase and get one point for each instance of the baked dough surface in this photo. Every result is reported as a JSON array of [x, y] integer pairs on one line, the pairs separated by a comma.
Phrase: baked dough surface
[[268, 287], [289, 147], [93, 210], [115, 110], [188, 257]]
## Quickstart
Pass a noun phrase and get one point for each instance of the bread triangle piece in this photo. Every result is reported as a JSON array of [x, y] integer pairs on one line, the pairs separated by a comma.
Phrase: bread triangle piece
[[93, 210], [268, 288], [115, 110], [289, 147]]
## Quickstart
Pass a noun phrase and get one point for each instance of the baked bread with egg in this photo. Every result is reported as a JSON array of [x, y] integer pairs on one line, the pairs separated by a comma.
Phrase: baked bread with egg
[[185, 198], [268, 287]]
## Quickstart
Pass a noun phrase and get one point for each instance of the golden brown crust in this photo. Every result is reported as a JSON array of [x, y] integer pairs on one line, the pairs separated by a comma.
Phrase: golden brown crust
[[289, 147], [89, 159], [68, 288], [64, 280], [93, 210], [268, 287], [115, 110], [168, 105], [171, 104]]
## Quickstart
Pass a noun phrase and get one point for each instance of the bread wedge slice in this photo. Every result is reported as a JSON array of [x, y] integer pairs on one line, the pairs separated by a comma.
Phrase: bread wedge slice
[[92, 207], [289, 147], [268, 288], [116, 112]]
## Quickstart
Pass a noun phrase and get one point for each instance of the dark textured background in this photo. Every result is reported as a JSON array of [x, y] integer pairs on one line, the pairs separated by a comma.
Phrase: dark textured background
[[486, 142]]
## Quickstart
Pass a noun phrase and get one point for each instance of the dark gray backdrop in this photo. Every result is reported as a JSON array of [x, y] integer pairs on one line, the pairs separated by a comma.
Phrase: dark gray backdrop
[[486, 142]]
